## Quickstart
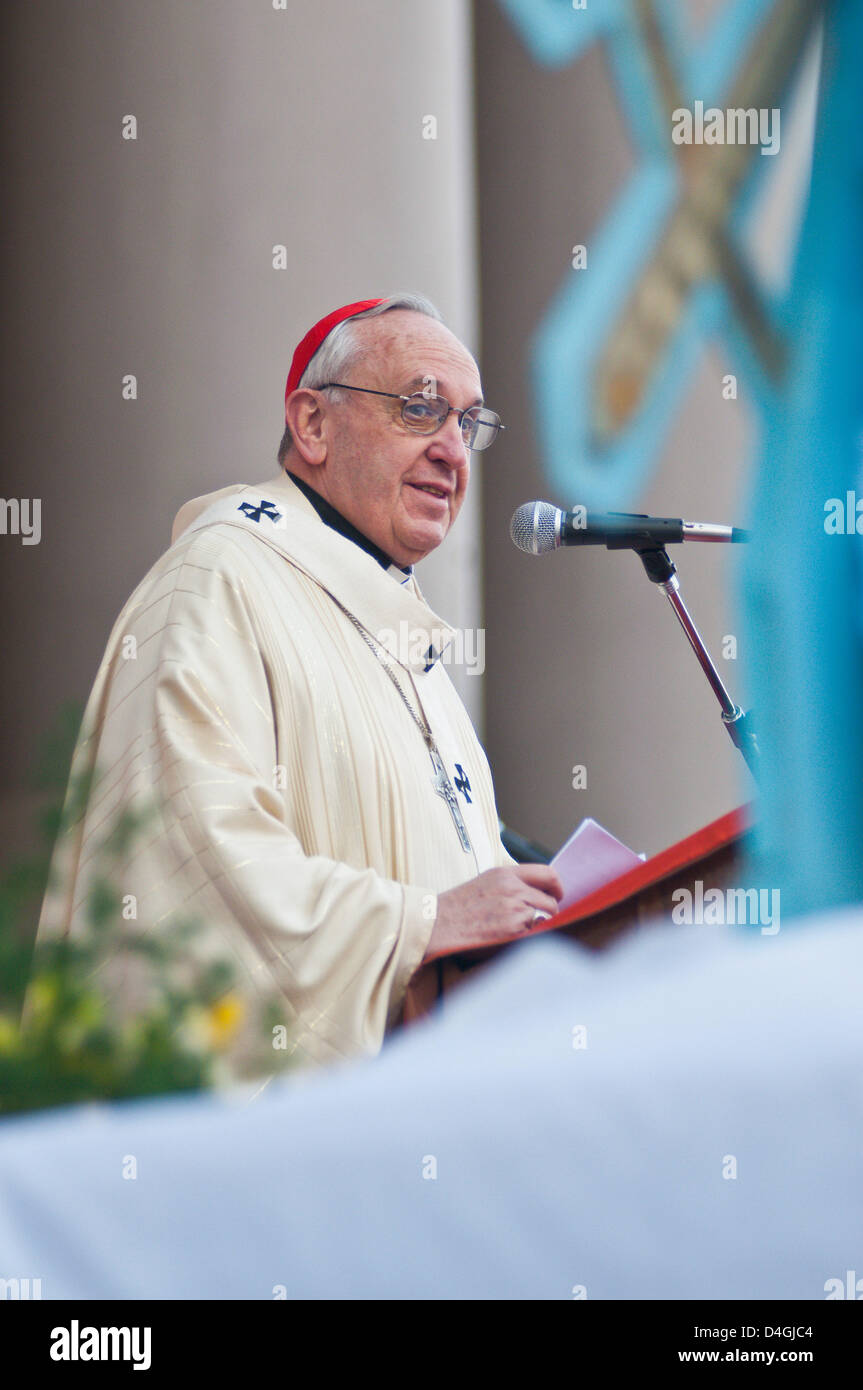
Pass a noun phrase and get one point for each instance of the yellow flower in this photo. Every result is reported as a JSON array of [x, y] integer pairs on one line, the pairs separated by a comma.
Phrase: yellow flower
[[224, 1018]]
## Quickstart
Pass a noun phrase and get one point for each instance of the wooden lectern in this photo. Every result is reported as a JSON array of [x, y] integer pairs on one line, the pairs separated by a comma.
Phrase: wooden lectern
[[712, 856]]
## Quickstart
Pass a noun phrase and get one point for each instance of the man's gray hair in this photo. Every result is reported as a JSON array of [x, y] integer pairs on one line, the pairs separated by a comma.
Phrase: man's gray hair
[[340, 349]]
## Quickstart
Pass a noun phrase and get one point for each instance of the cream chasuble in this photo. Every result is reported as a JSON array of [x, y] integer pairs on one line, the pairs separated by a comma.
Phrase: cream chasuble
[[296, 812]]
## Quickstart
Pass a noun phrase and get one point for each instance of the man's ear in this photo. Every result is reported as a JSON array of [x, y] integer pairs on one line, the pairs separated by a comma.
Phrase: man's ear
[[306, 417]]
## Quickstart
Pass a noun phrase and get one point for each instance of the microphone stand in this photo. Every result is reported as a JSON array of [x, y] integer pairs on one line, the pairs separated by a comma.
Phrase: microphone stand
[[660, 570]]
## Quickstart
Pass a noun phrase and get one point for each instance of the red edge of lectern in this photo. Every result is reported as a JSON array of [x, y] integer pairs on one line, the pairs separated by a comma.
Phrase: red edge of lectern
[[710, 838]]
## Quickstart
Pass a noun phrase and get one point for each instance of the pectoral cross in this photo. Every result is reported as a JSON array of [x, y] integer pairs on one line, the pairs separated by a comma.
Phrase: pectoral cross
[[444, 787]]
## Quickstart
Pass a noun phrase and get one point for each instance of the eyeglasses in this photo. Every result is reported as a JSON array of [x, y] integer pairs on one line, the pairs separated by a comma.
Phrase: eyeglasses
[[425, 414]]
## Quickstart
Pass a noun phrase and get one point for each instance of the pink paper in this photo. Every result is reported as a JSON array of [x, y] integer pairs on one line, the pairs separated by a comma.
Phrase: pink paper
[[590, 858]]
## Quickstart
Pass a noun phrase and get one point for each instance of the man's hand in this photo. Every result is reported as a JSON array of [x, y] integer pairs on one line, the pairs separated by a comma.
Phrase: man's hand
[[499, 903]]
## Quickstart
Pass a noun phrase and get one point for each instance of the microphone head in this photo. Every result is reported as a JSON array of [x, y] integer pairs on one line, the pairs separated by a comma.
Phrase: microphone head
[[534, 528]]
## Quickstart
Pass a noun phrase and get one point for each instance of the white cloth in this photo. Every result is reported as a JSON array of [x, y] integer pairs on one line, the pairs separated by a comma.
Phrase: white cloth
[[484, 1156], [296, 816]]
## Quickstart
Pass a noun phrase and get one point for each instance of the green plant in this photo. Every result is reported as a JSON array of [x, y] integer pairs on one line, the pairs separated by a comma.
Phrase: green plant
[[64, 1035]]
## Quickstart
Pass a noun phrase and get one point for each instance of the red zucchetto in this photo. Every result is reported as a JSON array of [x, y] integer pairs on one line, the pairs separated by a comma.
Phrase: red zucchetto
[[306, 349]]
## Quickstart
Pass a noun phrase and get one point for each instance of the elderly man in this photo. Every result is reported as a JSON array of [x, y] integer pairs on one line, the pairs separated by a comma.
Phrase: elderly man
[[323, 804]]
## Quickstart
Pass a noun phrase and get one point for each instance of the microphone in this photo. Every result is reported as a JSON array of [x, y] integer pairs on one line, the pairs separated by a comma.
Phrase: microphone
[[538, 527]]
